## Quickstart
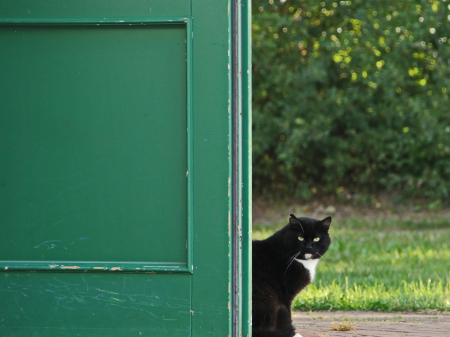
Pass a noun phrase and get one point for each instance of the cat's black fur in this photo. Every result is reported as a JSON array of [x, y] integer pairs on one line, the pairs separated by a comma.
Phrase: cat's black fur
[[278, 277]]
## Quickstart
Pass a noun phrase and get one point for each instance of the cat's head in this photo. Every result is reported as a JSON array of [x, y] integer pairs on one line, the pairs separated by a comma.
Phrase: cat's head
[[308, 237]]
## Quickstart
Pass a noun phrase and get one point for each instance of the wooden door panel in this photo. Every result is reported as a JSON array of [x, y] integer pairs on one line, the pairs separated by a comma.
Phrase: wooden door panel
[[89, 114], [106, 304]]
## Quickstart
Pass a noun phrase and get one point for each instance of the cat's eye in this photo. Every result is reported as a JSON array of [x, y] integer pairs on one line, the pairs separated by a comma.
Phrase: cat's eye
[[301, 238], [316, 239]]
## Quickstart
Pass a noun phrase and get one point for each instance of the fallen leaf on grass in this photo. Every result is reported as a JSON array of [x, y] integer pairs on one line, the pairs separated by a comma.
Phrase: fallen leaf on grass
[[343, 326]]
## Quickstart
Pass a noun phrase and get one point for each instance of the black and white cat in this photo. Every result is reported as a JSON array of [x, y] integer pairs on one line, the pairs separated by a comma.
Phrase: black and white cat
[[283, 265]]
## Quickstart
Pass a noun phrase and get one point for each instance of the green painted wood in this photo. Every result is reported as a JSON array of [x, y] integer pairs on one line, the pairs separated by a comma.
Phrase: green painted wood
[[236, 73], [116, 184], [246, 169], [88, 114], [76, 304], [85, 9], [211, 298]]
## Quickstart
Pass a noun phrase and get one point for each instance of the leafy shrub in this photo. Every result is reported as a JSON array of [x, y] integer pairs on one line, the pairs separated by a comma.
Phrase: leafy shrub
[[351, 96]]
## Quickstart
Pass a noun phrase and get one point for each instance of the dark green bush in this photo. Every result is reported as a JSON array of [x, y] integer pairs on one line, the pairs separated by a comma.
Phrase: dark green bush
[[351, 96]]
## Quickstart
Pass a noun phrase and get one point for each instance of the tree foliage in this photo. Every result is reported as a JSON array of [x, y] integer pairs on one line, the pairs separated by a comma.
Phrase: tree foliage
[[351, 96]]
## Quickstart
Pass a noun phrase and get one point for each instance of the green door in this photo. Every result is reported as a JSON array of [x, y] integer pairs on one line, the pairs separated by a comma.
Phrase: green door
[[124, 168]]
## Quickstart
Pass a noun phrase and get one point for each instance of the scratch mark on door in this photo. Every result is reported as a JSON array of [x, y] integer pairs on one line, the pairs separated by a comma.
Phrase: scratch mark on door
[[49, 244]]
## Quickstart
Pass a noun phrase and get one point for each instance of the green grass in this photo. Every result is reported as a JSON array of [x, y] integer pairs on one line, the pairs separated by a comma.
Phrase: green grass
[[386, 265]]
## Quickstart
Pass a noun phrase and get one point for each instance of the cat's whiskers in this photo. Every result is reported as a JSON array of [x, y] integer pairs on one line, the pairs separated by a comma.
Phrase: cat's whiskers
[[290, 262], [321, 256]]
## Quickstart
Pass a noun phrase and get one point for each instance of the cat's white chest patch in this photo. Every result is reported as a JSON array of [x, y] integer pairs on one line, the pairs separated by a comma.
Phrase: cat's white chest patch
[[311, 266]]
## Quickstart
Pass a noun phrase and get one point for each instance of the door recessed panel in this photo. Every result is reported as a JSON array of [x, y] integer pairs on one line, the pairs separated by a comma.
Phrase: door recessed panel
[[108, 304], [93, 143]]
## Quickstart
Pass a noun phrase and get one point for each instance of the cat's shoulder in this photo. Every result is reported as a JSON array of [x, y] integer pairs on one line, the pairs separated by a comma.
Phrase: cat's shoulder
[[259, 246], [261, 252]]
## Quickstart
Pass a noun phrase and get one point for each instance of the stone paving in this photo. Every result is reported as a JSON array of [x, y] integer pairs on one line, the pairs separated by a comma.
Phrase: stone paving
[[373, 324]]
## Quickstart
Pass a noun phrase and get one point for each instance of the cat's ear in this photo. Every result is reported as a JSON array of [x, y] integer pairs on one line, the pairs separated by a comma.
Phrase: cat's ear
[[325, 223], [293, 219], [295, 223]]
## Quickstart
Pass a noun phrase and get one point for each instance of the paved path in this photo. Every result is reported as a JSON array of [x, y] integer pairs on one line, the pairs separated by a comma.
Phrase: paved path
[[373, 324]]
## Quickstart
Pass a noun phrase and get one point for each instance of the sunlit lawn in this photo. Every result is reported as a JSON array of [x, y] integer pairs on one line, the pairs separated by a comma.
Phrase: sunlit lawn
[[387, 265]]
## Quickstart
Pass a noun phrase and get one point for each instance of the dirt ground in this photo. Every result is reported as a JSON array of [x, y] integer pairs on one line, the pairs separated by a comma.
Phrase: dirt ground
[[373, 324], [268, 212]]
